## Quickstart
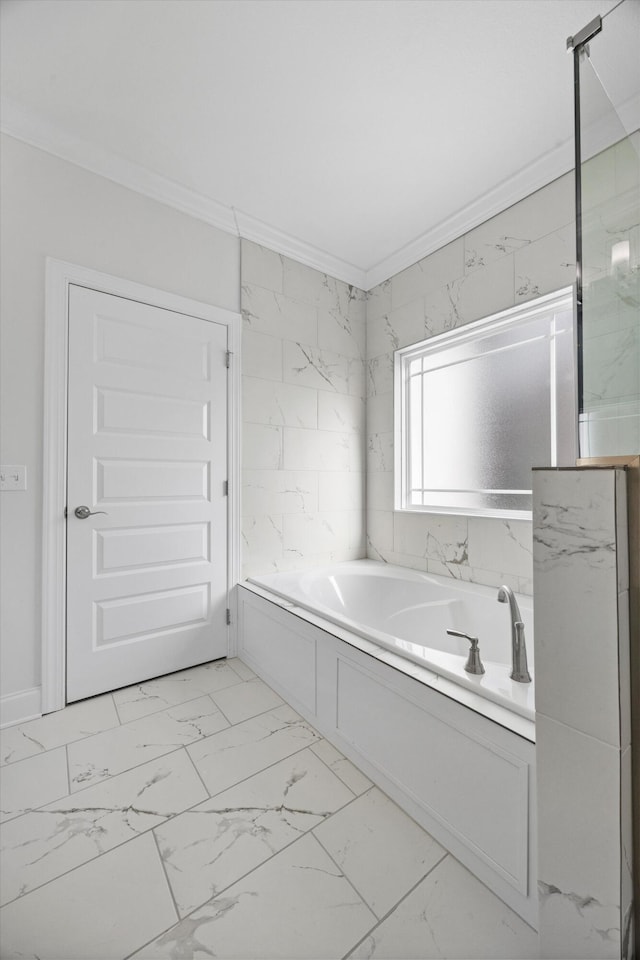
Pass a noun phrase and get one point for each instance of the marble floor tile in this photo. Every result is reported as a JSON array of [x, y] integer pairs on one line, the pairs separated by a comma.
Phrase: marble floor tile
[[379, 848], [101, 911], [243, 671], [114, 751], [55, 729], [219, 825], [238, 752], [216, 843], [48, 842], [343, 768], [246, 700], [297, 905], [33, 782], [154, 695], [450, 914]]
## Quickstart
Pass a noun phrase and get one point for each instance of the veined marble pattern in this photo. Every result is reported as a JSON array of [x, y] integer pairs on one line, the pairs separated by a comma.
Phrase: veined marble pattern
[[219, 841], [107, 754], [522, 252], [258, 840], [304, 393], [582, 655], [54, 839], [154, 695]]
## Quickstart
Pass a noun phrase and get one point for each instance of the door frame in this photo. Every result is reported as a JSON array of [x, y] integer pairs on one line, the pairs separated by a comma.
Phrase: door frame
[[60, 275]]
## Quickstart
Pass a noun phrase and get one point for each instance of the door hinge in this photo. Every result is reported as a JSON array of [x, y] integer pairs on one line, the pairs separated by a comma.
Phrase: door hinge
[[225, 488], [228, 616], [227, 360]]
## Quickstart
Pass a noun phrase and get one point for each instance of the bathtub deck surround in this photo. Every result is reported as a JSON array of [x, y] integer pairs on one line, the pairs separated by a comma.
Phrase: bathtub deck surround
[[410, 614], [234, 830], [581, 605], [460, 764]]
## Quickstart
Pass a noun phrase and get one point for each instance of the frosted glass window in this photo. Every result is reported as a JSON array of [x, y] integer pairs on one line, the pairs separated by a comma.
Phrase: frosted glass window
[[479, 406]]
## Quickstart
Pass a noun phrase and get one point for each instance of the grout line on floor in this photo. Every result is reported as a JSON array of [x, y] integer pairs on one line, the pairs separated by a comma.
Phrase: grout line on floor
[[124, 723], [165, 874], [199, 776], [341, 869], [115, 706], [173, 749], [223, 890], [336, 774], [219, 708], [180, 703], [169, 817], [395, 906]]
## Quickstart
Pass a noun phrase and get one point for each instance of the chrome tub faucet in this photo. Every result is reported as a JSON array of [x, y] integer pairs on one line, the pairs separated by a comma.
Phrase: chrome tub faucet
[[519, 669]]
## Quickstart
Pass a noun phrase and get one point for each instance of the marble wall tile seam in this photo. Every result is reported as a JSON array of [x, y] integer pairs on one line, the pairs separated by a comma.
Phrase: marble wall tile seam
[[316, 366], [259, 261], [617, 748], [282, 310], [624, 669], [421, 277], [626, 847], [262, 399], [380, 375]]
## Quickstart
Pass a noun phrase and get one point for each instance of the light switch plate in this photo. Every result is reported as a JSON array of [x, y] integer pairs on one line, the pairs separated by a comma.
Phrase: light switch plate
[[13, 476]]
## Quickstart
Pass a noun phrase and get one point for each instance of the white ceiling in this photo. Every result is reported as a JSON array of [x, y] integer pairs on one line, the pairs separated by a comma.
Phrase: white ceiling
[[353, 134]]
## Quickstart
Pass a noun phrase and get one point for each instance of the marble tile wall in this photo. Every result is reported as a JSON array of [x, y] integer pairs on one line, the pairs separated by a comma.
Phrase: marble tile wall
[[524, 252], [583, 734], [303, 412]]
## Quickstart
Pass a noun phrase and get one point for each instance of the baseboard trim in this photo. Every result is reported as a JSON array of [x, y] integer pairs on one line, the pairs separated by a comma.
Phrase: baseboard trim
[[20, 707]]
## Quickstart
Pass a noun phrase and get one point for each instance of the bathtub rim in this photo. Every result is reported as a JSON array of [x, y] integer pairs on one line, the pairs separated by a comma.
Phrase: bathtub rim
[[495, 685], [496, 712]]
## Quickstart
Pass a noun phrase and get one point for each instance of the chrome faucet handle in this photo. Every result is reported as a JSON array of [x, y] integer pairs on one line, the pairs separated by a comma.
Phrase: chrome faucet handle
[[474, 663]]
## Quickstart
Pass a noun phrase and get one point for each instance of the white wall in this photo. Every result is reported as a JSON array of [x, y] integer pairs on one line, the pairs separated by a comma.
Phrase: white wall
[[53, 208], [523, 252], [303, 411]]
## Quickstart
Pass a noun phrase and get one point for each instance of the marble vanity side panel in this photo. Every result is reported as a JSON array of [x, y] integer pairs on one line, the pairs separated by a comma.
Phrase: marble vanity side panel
[[626, 844], [303, 413], [583, 760], [579, 862], [576, 600]]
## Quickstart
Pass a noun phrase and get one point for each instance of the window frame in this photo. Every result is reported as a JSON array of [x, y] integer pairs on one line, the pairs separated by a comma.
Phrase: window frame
[[563, 394]]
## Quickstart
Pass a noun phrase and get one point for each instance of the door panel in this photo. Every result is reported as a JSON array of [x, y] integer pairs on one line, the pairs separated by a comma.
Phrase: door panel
[[146, 578]]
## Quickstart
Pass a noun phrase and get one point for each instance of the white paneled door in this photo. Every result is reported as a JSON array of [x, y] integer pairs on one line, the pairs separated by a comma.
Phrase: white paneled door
[[147, 460]]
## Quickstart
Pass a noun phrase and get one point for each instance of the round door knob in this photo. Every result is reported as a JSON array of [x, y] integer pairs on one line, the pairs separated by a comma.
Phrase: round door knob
[[83, 512]]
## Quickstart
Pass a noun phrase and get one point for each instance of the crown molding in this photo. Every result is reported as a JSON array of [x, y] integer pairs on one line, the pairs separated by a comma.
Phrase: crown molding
[[531, 178], [39, 132], [16, 121], [621, 121], [251, 228], [25, 125]]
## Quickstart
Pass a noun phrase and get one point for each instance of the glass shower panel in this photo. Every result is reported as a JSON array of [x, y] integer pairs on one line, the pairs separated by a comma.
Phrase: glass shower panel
[[610, 197]]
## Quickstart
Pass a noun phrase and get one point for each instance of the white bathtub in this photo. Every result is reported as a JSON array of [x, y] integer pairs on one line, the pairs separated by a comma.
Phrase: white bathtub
[[408, 612]]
